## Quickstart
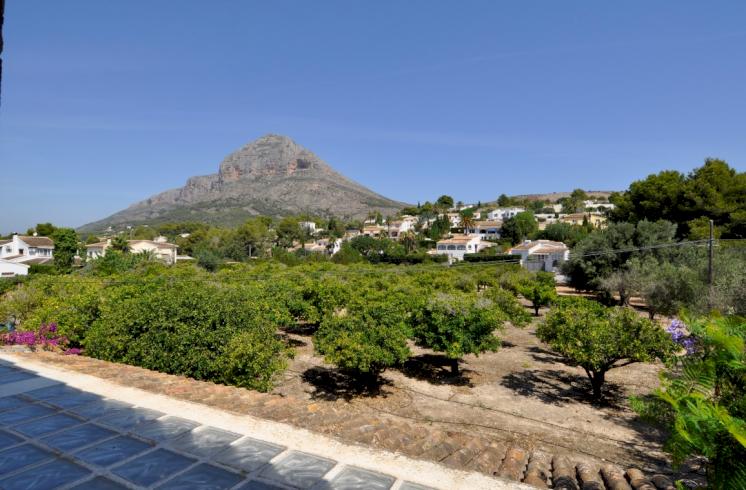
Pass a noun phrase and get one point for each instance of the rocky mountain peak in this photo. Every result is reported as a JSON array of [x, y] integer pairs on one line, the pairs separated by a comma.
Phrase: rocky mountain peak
[[272, 176], [270, 155]]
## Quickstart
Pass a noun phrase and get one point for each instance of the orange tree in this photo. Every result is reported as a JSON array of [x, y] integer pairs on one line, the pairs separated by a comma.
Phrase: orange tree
[[599, 339]]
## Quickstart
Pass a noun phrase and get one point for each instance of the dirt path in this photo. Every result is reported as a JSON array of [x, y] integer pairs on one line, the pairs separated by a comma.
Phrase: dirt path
[[522, 394]]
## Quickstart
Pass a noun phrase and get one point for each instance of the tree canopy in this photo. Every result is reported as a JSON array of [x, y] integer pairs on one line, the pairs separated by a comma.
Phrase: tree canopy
[[65, 248], [519, 227], [714, 191]]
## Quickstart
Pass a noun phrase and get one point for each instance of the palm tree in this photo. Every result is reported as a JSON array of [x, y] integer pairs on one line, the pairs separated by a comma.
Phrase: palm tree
[[120, 243], [467, 222], [409, 240], [146, 255]]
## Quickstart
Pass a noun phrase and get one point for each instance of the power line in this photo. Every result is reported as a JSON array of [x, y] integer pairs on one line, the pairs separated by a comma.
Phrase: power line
[[643, 248]]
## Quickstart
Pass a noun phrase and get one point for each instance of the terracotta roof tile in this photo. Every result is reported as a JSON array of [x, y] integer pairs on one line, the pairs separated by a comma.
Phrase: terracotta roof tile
[[37, 241]]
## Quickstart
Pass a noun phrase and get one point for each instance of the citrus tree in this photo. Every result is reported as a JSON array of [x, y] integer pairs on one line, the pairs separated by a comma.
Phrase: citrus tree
[[192, 328], [599, 339], [364, 340], [539, 289], [457, 324]]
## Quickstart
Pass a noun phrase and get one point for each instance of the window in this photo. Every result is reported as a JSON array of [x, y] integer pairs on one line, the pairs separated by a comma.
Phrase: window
[[461, 247], [441, 247], [21, 251], [8, 249], [32, 251], [451, 247]]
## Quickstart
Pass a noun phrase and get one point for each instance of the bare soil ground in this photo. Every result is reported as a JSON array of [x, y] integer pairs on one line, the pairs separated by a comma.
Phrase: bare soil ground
[[522, 394]]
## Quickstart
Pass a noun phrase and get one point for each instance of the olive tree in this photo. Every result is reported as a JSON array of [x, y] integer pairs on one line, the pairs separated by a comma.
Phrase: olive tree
[[457, 324], [599, 339]]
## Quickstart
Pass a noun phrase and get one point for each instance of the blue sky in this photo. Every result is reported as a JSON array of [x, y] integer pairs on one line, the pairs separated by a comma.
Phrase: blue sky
[[105, 103]]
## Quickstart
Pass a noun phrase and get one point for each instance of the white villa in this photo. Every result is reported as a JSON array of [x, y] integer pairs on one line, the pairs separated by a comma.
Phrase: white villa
[[597, 206], [159, 247], [323, 246], [459, 245], [541, 255], [594, 219], [503, 214], [398, 227], [309, 226], [486, 229], [27, 250], [373, 230]]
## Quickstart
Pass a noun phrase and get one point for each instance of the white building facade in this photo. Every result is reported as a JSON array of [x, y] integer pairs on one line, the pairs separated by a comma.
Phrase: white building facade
[[486, 229], [459, 245], [503, 214], [167, 252], [541, 255], [12, 269], [27, 249]]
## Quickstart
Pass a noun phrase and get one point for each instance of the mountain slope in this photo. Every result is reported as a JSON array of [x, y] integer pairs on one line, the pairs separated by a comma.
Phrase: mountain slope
[[271, 176]]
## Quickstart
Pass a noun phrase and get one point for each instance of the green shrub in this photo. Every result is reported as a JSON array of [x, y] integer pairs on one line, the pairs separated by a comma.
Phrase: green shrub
[[115, 262], [9, 283], [71, 303], [43, 269], [188, 328], [490, 258], [702, 398]]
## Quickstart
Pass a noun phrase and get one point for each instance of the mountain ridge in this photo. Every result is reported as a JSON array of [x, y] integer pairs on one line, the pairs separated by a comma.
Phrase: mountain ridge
[[272, 175]]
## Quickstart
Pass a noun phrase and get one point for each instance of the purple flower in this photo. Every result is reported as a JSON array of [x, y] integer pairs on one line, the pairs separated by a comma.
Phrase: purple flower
[[73, 352], [678, 333], [42, 337], [690, 344]]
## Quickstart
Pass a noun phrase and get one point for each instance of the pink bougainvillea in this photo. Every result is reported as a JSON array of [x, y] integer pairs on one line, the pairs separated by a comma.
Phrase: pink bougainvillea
[[46, 336]]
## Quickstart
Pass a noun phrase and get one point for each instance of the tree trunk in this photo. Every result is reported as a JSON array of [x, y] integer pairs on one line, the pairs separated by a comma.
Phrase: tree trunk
[[536, 310], [597, 382], [454, 367]]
